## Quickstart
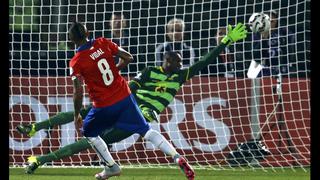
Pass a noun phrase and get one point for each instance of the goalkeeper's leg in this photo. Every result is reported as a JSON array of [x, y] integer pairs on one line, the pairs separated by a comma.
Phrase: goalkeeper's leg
[[109, 136], [66, 151], [60, 118], [67, 117]]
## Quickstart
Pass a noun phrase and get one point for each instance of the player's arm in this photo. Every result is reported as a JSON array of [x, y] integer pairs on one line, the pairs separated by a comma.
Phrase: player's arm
[[124, 58], [233, 35], [138, 80], [77, 101]]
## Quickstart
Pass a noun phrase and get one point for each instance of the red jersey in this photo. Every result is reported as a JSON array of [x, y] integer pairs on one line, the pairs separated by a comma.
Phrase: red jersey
[[94, 62]]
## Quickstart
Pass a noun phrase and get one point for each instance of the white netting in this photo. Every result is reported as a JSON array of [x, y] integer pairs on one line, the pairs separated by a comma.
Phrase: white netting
[[211, 115]]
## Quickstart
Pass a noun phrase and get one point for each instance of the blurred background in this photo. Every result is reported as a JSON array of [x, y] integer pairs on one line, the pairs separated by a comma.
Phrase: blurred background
[[39, 43]]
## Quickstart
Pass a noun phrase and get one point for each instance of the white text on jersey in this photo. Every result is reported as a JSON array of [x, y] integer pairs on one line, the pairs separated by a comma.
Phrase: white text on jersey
[[96, 54]]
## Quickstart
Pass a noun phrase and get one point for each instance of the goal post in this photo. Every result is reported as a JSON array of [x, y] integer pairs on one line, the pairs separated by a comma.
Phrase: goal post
[[219, 119]]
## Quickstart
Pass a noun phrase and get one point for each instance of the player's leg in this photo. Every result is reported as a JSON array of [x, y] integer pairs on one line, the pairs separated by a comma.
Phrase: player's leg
[[35, 161], [67, 117], [31, 129], [160, 142], [109, 136], [60, 118], [101, 149], [134, 121], [115, 135], [94, 123]]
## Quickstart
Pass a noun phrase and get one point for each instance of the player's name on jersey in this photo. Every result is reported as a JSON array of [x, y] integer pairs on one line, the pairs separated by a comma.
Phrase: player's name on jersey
[[96, 54]]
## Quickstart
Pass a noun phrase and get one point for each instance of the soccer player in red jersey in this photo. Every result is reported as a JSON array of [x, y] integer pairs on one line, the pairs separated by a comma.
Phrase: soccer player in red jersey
[[113, 104]]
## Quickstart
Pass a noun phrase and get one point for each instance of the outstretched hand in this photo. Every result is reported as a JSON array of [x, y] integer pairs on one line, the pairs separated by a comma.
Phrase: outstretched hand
[[235, 34]]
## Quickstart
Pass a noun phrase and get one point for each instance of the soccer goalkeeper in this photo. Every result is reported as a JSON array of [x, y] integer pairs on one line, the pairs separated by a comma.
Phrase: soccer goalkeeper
[[154, 89]]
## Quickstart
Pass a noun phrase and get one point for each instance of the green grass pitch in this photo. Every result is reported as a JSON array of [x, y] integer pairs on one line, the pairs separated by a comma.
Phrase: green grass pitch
[[159, 174]]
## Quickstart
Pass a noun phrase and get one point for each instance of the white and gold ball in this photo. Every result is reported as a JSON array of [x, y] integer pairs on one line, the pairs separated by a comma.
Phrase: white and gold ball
[[259, 22]]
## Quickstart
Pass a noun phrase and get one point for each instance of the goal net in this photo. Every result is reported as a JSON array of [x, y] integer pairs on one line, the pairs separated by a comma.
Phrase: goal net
[[219, 119]]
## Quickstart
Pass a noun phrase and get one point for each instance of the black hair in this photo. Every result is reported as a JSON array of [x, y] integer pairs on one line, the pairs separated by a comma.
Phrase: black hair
[[171, 55], [78, 31]]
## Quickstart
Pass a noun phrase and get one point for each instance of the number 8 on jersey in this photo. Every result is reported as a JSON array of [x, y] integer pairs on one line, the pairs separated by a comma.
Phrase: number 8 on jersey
[[106, 72]]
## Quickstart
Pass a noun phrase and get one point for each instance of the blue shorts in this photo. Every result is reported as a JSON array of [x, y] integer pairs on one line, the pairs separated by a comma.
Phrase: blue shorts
[[124, 115]]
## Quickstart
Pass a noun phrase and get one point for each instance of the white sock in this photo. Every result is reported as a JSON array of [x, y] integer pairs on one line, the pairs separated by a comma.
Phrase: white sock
[[101, 149], [160, 142]]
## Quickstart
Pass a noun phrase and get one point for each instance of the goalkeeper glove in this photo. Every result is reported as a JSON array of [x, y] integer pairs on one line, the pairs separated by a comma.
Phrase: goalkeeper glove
[[233, 35], [149, 114]]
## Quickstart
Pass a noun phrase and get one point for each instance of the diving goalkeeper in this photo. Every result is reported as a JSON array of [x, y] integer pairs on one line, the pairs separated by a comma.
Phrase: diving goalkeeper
[[154, 89]]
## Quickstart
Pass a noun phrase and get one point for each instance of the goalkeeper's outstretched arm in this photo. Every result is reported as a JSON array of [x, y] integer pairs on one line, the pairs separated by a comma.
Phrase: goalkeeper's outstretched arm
[[233, 35]]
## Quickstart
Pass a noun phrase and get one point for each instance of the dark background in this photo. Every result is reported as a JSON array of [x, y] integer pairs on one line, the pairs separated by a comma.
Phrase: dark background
[[43, 49]]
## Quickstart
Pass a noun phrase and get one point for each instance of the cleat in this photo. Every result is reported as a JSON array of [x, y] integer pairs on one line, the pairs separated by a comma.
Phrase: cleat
[[33, 165], [186, 168], [108, 172], [28, 130]]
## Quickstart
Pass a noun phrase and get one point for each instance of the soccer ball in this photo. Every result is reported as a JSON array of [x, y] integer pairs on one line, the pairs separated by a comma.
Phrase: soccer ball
[[259, 22]]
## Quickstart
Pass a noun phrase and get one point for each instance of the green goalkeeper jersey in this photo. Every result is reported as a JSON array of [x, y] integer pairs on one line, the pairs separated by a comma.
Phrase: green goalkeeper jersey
[[156, 89]]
